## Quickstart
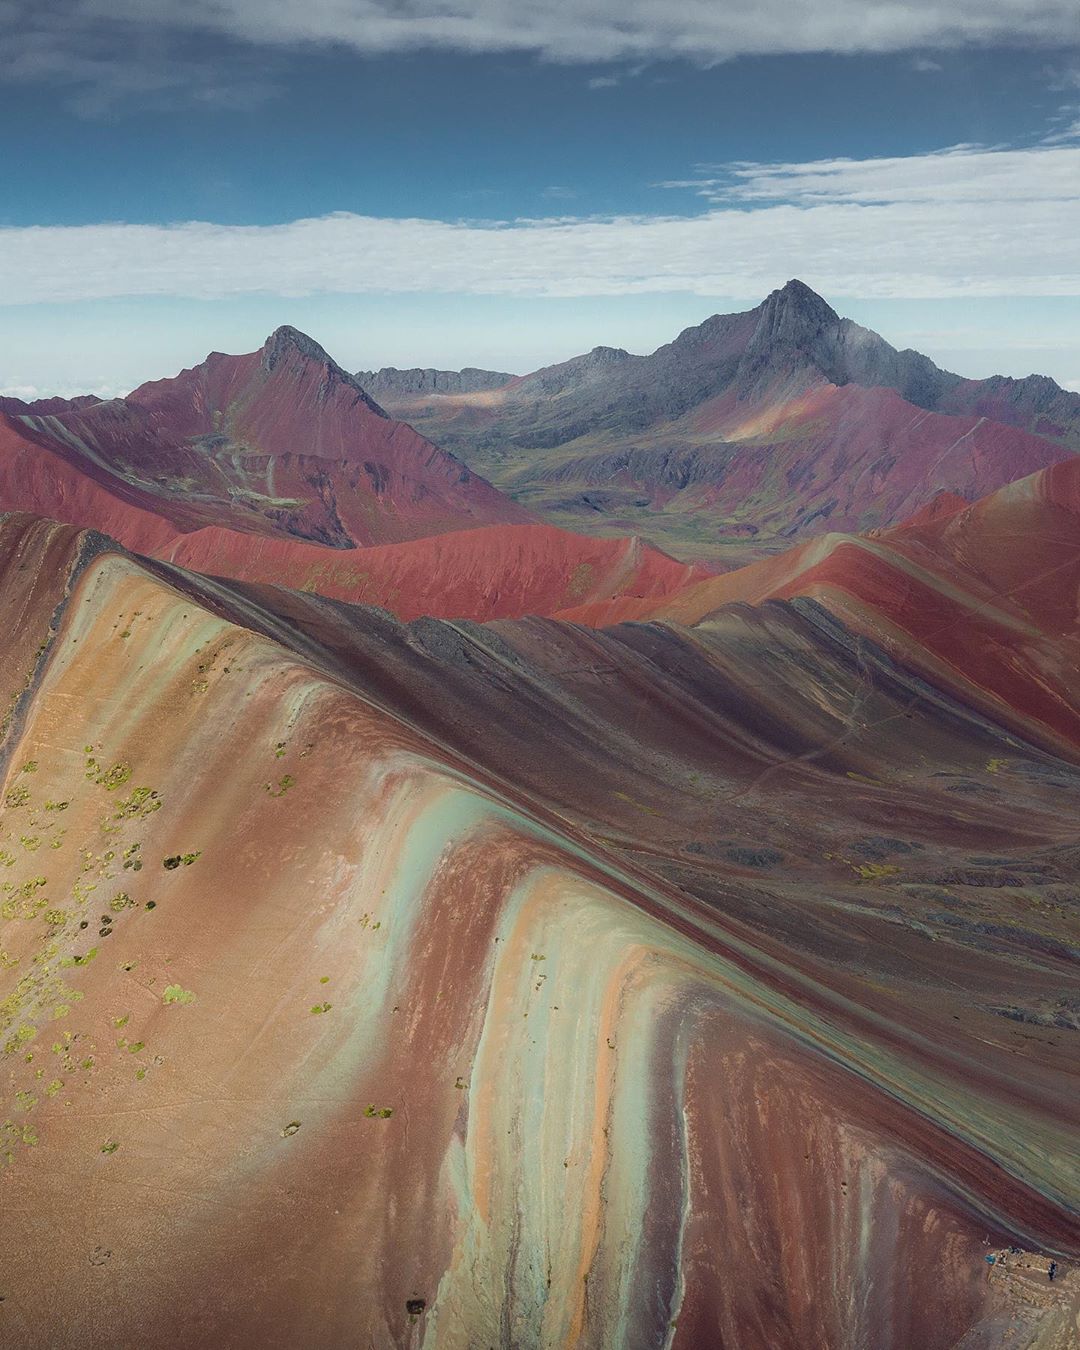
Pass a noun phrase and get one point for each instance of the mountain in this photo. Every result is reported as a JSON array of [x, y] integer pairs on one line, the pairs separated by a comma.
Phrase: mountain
[[280, 443], [756, 427], [278, 467], [687, 984], [1035, 402]]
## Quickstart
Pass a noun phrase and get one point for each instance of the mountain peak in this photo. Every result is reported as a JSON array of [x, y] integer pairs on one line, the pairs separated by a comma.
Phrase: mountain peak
[[797, 298], [287, 341], [795, 317]]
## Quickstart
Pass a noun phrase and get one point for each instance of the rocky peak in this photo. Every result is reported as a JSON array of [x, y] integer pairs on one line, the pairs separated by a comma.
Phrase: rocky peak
[[286, 340], [795, 316], [797, 295], [287, 343]]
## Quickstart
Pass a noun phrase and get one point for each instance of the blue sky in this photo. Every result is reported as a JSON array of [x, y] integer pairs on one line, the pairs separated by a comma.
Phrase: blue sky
[[447, 135], [386, 200]]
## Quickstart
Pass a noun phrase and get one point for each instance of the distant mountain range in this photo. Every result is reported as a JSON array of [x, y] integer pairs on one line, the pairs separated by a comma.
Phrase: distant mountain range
[[773, 423], [745, 435], [278, 467]]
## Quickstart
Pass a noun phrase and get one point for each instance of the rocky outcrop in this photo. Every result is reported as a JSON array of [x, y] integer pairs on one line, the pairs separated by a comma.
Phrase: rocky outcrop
[[405, 384]]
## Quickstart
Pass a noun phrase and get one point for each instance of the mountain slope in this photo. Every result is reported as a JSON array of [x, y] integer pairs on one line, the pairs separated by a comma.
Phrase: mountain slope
[[768, 424], [275, 466], [981, 599], [493, 572], [488, 571], [502, 984], [280, 442]]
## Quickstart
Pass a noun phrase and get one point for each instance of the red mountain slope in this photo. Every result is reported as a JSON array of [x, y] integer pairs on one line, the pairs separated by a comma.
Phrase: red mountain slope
[[983, 600], [495, 572], [280, 442]]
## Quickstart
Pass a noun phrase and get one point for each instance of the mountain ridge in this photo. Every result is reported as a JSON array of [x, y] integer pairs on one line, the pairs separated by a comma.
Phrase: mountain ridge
[[719, 435], [427, 380], [846, 352], [280, 442], [464, 958]]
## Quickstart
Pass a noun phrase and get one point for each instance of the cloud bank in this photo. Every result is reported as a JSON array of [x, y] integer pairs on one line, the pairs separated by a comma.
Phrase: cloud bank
[[962, 222], [591, 30], [217, 52]]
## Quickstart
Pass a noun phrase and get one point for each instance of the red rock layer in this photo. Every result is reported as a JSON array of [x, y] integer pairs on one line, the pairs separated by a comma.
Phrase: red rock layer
[[498, 571]]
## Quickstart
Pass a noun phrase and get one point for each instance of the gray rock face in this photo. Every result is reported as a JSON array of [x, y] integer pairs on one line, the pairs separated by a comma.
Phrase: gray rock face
[[793, 336], [796, 327], [390, 383], [795, 322], [595, 366]]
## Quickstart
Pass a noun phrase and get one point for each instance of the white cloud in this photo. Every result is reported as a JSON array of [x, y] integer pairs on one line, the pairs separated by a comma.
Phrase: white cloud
[[578, 30], [109, 49], [925, 66], [964, 222], [959, 174]]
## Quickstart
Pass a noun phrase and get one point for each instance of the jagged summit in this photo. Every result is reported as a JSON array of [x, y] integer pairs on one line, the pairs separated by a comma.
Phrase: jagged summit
[[796, 316], [285, 337], [797, 295], [285, 342]]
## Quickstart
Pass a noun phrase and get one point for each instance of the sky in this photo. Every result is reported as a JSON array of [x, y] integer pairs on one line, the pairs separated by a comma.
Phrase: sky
[[505, 183]]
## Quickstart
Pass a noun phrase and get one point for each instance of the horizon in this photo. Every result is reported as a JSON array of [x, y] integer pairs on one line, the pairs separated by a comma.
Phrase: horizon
[[31, 393], [504, 185]]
